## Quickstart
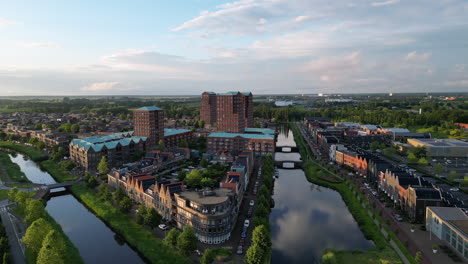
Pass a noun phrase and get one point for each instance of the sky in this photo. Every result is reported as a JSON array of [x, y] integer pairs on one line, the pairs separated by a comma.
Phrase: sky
[[264, 46]]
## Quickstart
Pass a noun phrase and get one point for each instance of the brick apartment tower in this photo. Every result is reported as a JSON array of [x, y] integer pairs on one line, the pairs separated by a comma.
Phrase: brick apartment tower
[[208, 108], [230, 112], [148, 122], [247, 100]]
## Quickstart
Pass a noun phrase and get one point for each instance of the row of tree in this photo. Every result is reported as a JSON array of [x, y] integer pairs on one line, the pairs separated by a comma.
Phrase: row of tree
[[185, 242], [261, 241], [4, 245], [47, 244]]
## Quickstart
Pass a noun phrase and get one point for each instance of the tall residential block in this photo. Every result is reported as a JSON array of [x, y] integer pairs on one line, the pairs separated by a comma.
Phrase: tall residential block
[[148, 122], [208, 108], [230, 112]]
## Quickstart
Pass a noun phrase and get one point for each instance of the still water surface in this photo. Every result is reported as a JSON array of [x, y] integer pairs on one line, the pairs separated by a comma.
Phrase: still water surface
[[308, 218], [96, 242]]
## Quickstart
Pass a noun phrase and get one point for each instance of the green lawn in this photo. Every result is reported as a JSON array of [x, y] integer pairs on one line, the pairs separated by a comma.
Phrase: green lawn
[[33, 153], [57, 172], [385, 256], [136, 235], [13, 170]]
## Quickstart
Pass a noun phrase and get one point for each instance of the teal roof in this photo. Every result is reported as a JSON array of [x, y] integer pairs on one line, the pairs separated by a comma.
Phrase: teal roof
[[229, 93], [174, 131], [233, 135], [260, 130], [109, 141], [148, 108]]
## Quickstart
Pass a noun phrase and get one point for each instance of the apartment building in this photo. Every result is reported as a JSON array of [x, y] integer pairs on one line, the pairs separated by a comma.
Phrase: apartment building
[[148, 122], [118, 149], [258, 144], [173, 137], [230, 112]]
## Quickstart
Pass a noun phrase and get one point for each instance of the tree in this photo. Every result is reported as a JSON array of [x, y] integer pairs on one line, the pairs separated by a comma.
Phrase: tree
[[22, 197], [75, 128], [102, 166], [35, 234], [53, 249], [423, 162], [254, 255], [412, 157], [419, 152], [418, 257], [193, 178], [118, 195], [6, 259], [125, 204], [187, 241], [141, 213], [439, 168], [104, 191], [152, 218], [453, 175], [204, 163], [262, 211], [161, 145], [207, 182], [261, 237], [38, 126], [12, 194], [92, 182], [34, 210], [171, 239]]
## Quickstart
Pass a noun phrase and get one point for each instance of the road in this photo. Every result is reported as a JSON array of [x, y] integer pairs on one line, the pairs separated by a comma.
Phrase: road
[[15, 230]]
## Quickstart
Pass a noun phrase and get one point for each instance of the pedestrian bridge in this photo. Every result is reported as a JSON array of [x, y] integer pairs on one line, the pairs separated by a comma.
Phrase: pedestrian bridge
[[287, 149], [289, 164]]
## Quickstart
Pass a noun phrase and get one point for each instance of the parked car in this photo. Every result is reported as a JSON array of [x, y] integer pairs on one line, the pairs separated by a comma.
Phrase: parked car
[[198, 252], [239, 250], [163, 227], [246, 222], [252, 202], [398, 218], [454, 189]]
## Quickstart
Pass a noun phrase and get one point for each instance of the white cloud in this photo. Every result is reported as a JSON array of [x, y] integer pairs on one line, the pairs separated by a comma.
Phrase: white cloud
[[49, 44], [385, 3], [415, 57], [5, 22], [100, 86]]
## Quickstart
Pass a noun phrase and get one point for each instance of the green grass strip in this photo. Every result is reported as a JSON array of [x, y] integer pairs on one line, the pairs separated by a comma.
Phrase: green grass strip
[[137, 236]]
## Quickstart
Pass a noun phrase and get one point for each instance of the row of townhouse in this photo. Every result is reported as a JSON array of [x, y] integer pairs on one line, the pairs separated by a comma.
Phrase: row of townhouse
[[410, 192], [212, 213]]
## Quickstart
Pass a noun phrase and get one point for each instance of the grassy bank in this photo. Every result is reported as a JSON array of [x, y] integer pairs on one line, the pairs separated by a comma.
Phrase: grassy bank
[[13, 170], [32, 153], [136, 235], [57, 172], [383, 253], [3, 194]]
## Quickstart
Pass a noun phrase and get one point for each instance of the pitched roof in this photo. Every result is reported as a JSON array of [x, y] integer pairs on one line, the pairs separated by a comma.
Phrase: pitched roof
[[174, 131], [109, 141], [233, 135]]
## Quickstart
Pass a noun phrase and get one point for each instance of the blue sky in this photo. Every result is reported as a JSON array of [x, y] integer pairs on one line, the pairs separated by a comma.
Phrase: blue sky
[[265, 46]]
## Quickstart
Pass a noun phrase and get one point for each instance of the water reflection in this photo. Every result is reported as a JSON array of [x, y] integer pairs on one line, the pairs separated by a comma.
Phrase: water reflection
[[308, 218], [31, 169], [96, 242]]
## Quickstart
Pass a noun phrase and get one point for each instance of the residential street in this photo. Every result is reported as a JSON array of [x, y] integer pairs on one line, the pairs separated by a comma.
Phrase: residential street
[[15, 230]]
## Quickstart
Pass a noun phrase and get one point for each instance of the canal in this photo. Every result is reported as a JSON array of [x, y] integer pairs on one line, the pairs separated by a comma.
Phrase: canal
[[96, 242], [308, 218]]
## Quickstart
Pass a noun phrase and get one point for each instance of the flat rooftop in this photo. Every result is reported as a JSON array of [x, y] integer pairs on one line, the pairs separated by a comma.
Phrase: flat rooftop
[[441, 142], [216, 196]]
